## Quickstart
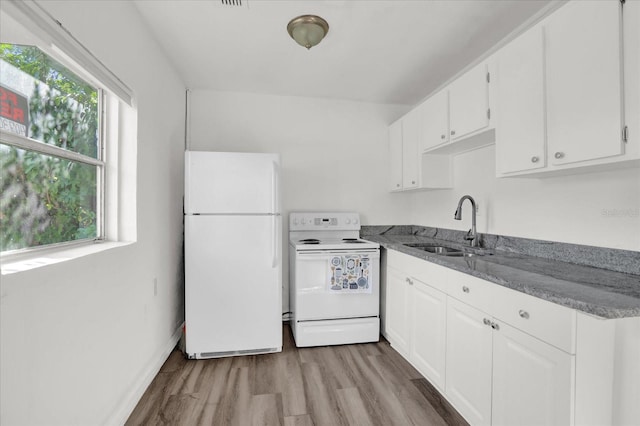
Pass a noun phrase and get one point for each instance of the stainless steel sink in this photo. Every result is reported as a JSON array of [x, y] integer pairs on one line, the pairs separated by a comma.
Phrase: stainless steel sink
[[445, 250], [464, 254], [437, 249]]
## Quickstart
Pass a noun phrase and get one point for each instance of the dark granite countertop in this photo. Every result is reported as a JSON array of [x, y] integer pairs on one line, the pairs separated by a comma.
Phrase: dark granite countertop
[[602, 292]]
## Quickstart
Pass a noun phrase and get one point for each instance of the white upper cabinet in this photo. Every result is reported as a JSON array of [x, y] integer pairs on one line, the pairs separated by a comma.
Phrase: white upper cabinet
[[520, 126], [410, 155], [584, 81], [434, 114], [404, 159], [563, 96], [560, 94], [409, 169], [469, 102], [395, 156], [631, 37], [457, 118]]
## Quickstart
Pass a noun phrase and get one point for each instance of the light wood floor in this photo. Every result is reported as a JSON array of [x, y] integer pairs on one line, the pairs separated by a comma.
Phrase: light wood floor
[[364, 384]]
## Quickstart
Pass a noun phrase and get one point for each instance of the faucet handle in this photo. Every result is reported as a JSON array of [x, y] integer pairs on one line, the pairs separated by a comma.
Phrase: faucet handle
[[470, 235]]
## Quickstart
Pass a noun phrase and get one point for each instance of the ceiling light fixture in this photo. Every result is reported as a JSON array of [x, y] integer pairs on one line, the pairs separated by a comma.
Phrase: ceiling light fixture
[[308, 30]]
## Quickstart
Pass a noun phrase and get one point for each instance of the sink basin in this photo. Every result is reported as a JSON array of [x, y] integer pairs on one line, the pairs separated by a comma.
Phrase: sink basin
[[445, 250], [437, 249], [463, 254]]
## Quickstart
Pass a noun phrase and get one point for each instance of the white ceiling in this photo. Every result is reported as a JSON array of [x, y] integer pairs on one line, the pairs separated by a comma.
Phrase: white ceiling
[[385, 51]]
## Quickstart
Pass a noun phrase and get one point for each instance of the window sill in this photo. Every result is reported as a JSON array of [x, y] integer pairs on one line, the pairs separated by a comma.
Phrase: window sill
[[24, 262]]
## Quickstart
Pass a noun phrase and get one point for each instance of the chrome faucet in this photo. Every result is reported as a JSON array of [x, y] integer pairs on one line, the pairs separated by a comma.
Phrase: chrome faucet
[[471, 236]]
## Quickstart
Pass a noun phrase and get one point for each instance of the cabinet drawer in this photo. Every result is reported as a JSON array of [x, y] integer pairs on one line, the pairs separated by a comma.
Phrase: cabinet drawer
[[471, 290], [547, 321], [425, 271]]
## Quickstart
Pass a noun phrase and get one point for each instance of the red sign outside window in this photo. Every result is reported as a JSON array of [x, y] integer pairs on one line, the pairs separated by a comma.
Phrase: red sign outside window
[[14, 112]]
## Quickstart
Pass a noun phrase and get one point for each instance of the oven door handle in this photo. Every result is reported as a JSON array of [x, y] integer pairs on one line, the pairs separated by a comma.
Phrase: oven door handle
[[328, 253]]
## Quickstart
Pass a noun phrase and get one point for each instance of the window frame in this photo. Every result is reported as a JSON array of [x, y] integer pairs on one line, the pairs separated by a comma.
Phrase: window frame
[[116, 162], [33, 145]]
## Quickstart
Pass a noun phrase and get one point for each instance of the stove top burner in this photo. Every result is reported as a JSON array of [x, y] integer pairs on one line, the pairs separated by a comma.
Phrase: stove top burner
[[352, 241], [310, 241]]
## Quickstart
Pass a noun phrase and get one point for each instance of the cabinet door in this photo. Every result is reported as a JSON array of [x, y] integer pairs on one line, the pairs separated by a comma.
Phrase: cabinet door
[[520, 128], [395, 156], [532, 380], [469, 102], [429, 315], [410, 141], [397, 321], [468, 362], [434, 114], [584, 86]]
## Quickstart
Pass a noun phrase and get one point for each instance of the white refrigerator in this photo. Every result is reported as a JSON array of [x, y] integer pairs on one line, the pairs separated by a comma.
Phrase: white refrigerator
[[233, 262]]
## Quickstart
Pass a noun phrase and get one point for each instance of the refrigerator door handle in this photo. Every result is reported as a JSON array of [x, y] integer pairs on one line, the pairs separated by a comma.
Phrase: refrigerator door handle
[[274, 239], [275, 203]]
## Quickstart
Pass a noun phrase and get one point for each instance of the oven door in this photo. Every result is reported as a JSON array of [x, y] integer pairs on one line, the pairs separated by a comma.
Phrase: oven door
[[336, 284]]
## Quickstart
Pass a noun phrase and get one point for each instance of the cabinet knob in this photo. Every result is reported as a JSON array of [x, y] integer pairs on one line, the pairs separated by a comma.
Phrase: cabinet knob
[[465, 289], [453, 132], [397, 185], [559, 155], [486, 321], [523, 314], [534, 159], [495, 326], [409, 280], [442, 136], [413, 182]]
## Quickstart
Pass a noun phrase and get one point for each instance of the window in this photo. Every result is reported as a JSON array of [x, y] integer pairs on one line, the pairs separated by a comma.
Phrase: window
[[51, 168], [67, 139]]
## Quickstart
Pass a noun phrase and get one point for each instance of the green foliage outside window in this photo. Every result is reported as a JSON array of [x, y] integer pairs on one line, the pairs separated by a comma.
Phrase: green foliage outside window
[[45, 199]]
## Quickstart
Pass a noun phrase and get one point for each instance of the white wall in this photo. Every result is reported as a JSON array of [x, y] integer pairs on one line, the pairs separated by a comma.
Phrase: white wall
[[78, 337], [334, 153], [600, 209]]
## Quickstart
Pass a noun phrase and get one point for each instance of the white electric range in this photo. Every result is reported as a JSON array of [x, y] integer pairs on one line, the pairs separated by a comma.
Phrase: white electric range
[[334, 280]]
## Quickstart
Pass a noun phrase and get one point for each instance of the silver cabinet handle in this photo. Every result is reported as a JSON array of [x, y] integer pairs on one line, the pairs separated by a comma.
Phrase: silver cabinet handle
[[465, 289], [443, 136], [409, 281], [397, 185], [486, 321], [523, 314], [534, 159], [559, 155], [495, 326], [453, 132]]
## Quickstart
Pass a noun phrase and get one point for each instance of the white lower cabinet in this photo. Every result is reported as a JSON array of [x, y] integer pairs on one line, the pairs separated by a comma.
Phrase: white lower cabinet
[[494, 353], [532, 381], [469, 351], [415, 324], [397, 315], [499, 375], [428, 336]]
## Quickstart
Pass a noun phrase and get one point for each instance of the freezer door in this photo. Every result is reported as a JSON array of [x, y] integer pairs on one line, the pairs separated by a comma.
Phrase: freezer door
[[231, 183], [233, 287]]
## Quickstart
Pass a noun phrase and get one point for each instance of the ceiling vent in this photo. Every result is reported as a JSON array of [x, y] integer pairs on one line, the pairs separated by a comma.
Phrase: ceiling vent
[[235, 3]]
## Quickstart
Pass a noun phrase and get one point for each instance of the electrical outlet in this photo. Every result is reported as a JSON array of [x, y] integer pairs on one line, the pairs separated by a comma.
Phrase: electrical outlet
[[155, 286], [478, 210]]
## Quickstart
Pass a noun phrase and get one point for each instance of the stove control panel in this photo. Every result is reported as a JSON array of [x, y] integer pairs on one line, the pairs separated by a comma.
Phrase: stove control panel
[[309, 221]]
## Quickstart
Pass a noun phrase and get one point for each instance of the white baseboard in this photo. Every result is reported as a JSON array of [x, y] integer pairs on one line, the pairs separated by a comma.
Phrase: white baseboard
[[127, 404]]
